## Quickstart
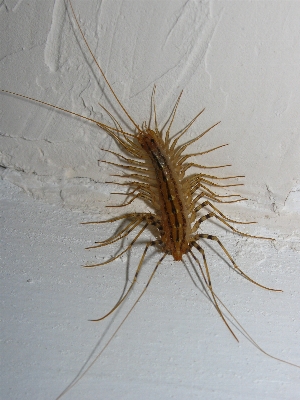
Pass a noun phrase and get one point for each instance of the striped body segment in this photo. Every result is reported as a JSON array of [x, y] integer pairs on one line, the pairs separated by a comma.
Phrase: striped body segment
[[172, 207]]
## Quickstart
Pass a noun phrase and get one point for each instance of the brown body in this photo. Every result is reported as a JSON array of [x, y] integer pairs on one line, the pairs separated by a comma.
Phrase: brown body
[[171, 204]]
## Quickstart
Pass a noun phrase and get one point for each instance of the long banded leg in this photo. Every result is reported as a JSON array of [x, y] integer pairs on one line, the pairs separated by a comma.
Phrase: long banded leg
[[130, 167], [150, 220], [210, 237], [139, 176], [129, 160], [212, 214], [130, 215], [185, 167], [186, 156], [208, 203], [152, 243], [195, 185], [126, 204], [121, 235], [136, 183], [171, 120], [208, 283], [125, 193], [145, 191], [138, 218], [217, 185], [180, 149], [122, 252]]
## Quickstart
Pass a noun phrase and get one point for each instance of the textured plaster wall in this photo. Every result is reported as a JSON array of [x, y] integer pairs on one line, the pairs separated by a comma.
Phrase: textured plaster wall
[[238, 59]]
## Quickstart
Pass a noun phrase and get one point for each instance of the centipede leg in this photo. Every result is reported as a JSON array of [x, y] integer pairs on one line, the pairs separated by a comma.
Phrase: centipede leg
[[208, 203], [209, 284], [213, 214], [152, 243], [210, 237]]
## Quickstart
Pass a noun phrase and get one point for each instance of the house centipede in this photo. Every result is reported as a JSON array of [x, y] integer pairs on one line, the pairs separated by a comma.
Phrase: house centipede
[[156, 165]]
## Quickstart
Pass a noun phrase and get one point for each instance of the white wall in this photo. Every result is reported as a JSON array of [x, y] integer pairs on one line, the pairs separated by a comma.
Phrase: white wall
[[240, 60]]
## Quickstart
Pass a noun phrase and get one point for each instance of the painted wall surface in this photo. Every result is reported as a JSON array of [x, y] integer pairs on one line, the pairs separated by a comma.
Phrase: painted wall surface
[[238, 59]]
